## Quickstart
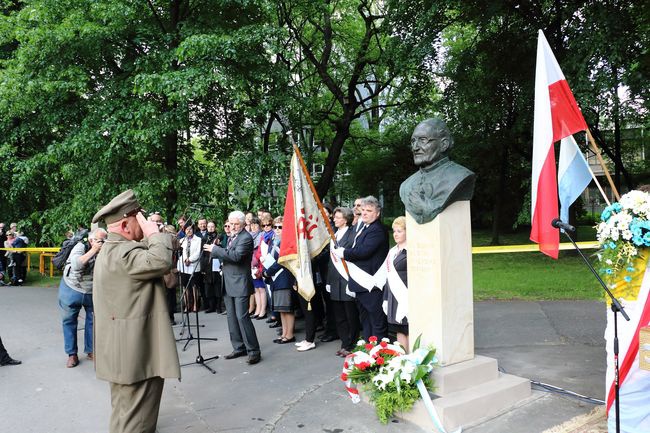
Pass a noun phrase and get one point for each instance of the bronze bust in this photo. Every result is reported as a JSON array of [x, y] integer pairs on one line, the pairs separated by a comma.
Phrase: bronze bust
[[439, 182]]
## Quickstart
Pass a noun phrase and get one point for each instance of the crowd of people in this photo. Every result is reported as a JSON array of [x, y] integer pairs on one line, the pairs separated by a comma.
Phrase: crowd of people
[[235, 271], [13, 264], [139, 275]]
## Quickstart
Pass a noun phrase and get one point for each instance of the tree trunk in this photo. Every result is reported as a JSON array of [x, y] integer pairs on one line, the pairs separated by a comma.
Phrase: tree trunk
[[171, 168], [498, 197], [333, 156]]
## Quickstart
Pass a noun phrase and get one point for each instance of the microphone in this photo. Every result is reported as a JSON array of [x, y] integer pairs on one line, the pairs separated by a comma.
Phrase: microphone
[[558, 224]]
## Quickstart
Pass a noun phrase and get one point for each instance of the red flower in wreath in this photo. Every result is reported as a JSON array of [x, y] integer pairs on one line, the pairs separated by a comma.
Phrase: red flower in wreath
[[369, 346], [380, 361], [383, 344], [344, 377], [372, 339]]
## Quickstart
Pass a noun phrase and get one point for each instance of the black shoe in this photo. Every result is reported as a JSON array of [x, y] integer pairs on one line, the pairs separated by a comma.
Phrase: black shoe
[[270, 320], [9, 361], [253, 316], [234, 354], [223, 313], [261, 317], [327, 338], [254, 359], [320, 328], [210, 310], [277, 324]]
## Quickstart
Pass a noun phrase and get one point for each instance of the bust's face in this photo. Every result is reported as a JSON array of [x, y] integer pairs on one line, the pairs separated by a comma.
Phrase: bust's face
[[426, 146]]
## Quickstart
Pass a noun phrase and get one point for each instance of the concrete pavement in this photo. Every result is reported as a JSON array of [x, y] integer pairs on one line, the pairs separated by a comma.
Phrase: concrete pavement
[[559, 343]]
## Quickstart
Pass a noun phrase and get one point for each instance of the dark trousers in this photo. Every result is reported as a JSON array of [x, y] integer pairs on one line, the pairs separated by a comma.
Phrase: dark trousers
[[373, 319], [190, 291], [310, 318], [241, 329], [346, 315], [19, 269], [330, 324], [171, 302], [213, 290], [318, 305]]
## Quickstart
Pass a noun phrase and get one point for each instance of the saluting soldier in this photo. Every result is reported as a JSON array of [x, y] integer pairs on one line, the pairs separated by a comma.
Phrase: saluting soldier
[[134, 344]]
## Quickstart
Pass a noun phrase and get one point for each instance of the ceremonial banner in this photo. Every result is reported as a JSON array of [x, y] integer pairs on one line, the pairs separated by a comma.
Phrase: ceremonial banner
[[573, 174], [304, 232], [556, 116]]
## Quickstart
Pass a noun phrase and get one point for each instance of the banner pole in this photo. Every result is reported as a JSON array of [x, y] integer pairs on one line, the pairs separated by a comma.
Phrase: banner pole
[[596, 150]]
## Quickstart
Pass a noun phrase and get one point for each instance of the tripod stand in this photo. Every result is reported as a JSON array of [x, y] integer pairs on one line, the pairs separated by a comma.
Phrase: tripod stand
[[616, 308], [200, 360]]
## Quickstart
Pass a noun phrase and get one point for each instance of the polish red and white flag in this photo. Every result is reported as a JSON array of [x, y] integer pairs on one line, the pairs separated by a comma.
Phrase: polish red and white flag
[[556, 116], [305, 231]]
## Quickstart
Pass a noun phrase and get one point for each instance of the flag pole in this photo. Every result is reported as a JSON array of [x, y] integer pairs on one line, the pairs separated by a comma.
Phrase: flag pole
[[596, 150]]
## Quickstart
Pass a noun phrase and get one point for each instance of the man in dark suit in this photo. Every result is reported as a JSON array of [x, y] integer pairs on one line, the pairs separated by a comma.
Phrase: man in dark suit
[[368, 252], [238, 281]]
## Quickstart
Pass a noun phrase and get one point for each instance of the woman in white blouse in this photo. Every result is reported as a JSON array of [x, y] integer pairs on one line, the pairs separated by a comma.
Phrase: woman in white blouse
[[188, 264]]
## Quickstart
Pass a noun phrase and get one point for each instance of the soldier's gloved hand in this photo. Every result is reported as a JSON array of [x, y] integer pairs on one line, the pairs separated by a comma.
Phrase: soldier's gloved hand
[[339, 252], [148, 227]]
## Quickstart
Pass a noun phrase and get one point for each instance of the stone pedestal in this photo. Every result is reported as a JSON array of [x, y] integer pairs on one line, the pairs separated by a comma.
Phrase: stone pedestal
[[441, 306], [441, 310]]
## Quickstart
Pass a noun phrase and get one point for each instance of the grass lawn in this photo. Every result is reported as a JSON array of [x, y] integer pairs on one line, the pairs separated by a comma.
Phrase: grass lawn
[[529, 276], [533, 276]]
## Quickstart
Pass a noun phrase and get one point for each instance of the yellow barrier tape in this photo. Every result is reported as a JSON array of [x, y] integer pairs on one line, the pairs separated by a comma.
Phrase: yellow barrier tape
[[33, 249], [530, 248], [475, 250]]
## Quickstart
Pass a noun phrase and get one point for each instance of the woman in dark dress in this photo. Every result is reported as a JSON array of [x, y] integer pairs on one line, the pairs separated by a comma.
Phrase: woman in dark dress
[[345, 310], [282, 282], [396, 263]]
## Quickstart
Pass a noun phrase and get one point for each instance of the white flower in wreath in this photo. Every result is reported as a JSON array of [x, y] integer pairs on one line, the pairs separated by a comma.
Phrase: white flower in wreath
[[609, 262], [381, 380], [627, 235]]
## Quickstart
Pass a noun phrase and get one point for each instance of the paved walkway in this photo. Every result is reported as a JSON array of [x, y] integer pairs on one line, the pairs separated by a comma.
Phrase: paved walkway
[[559, 343]]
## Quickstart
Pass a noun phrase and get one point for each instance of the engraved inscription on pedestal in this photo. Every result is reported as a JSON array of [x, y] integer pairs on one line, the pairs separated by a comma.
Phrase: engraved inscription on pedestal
[[440, 283]]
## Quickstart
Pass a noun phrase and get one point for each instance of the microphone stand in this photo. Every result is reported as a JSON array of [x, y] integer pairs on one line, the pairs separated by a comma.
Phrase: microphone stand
[[199, 360], [616, 308]]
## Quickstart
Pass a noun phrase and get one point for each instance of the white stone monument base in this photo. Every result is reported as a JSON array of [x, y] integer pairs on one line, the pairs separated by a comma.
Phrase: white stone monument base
[[467, 392]]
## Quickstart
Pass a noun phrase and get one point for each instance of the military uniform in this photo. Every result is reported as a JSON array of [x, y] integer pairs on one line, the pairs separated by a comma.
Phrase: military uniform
[[135, 348]]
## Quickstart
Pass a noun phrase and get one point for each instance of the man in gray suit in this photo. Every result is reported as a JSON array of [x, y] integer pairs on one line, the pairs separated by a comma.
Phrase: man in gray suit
[[238, 281]]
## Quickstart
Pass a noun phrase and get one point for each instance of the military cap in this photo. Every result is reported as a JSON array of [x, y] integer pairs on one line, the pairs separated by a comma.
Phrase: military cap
[[122, 206]]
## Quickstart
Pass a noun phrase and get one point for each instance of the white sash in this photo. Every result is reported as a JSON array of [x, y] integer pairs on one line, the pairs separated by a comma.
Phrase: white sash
[[268, 261], [338, 265], [396, 285], [360, 276]]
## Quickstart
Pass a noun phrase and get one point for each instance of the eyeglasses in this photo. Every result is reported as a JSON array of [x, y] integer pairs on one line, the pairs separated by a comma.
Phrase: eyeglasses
[[226, 226], [267, 225], [277, 227]]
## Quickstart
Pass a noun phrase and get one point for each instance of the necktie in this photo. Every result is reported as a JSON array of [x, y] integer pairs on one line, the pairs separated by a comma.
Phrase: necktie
[[357, 235]]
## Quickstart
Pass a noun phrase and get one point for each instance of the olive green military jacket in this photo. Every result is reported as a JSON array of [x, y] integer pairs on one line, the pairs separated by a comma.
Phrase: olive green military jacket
[[133, 336]]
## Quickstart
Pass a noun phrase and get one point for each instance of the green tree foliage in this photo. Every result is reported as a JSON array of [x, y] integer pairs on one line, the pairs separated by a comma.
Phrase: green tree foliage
[[100, 96], [487, 73], [185, 101]]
